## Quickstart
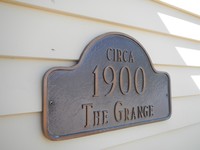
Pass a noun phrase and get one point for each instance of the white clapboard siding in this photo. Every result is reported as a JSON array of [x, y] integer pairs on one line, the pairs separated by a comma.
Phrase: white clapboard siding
[[37, 35], [25, 132], [21, 84], [24, 82], [128, 13], [180, 139], [32, 33], [191, 7]]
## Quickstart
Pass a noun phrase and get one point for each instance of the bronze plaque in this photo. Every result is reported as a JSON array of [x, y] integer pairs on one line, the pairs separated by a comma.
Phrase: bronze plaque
[[113, 86]]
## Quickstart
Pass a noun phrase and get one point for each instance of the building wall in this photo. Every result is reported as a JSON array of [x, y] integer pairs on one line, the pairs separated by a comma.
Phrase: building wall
[[37, 35]]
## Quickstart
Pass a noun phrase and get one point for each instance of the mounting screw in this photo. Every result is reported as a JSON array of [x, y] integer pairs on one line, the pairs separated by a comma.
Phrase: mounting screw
[[51, 102]]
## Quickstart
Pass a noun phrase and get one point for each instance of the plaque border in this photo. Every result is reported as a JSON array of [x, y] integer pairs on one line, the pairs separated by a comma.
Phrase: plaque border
[[95, 131]]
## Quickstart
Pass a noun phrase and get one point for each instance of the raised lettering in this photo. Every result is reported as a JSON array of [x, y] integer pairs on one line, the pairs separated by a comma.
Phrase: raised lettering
[[121, 81], [140, 112], [150, 110], [145, 111], [96, 82], [96, 118], [131, 58], [114, 55], [87, 108], [126, 114], [125, 83], [119, 55], [133, 116], [105, 116], [108, 54], [112, 82], [117, 112], [140, 88], [124, 56]]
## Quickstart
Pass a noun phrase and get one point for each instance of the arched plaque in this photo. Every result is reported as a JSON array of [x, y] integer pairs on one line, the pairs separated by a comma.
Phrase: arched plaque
[[113, 86]]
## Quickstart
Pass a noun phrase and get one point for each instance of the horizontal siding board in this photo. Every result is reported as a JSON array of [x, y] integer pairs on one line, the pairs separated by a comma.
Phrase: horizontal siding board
[[25, 130], [31, 33], [133, 14], [182, 82], [184, 139], [21, 82], [191, 7]]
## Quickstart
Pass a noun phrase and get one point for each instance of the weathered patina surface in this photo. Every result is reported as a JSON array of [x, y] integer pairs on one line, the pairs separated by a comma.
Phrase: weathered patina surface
[[113, 86]]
